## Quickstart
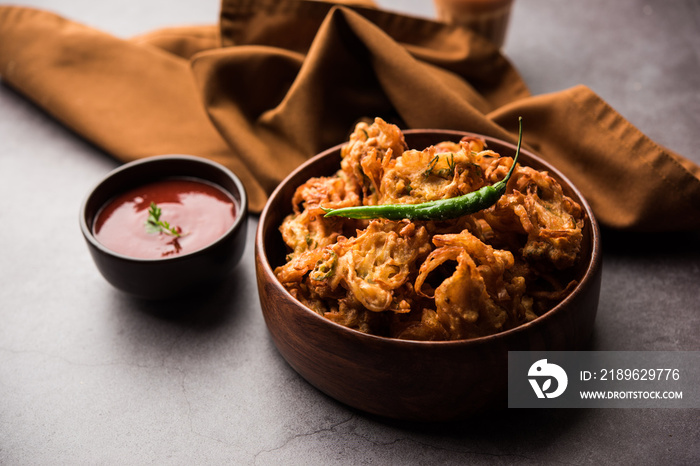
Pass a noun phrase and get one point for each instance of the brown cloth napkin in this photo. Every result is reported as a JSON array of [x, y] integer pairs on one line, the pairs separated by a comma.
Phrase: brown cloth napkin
[[279, 81]]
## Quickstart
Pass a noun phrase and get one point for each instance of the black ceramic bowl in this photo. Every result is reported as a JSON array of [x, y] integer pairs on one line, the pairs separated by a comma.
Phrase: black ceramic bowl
[[175, 275], [415, 380]]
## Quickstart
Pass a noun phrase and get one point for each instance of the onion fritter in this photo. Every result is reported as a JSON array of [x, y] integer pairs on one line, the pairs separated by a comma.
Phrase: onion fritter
[[427, 280]]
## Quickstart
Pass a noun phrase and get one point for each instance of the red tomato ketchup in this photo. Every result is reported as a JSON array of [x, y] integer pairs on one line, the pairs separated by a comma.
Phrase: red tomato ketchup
[[200, 211]]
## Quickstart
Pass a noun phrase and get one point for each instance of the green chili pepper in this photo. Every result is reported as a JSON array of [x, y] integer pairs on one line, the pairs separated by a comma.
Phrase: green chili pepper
[[442, 209]]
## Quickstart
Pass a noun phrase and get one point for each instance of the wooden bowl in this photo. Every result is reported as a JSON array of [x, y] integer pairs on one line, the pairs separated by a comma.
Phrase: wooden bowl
[[414, 380]]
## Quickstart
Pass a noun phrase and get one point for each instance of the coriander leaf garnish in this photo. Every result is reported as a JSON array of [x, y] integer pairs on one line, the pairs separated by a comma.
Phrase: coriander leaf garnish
[[155, 225], [431, 165]]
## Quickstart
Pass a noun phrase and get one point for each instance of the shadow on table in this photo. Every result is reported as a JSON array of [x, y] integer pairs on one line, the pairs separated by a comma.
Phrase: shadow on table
[[530, 427], [673, 244], [210, 308]]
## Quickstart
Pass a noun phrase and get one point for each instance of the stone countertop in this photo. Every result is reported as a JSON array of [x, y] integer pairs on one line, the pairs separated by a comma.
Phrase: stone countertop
[[90, 376]]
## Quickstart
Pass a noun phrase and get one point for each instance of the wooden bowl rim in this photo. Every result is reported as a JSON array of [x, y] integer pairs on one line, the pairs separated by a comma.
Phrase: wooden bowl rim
[[589, 276]]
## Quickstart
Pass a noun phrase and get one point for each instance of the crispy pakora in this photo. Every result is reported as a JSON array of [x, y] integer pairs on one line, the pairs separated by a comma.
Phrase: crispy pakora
[[472, 276]]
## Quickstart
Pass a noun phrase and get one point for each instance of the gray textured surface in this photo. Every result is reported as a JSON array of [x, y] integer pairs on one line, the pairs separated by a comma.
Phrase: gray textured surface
[[88, 375]]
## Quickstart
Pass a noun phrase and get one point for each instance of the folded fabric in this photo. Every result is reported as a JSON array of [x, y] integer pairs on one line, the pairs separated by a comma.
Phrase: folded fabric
[[279, 81]]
